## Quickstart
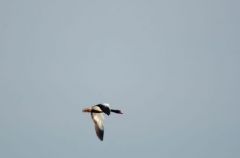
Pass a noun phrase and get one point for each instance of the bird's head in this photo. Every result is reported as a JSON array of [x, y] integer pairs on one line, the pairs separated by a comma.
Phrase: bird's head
[[116, 111]]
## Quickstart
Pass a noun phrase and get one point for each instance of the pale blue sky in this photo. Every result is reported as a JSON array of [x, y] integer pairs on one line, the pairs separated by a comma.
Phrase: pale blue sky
[[172, 66]]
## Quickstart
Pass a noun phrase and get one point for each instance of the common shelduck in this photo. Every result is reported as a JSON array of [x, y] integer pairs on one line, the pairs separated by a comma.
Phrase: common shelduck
[[97, 116]]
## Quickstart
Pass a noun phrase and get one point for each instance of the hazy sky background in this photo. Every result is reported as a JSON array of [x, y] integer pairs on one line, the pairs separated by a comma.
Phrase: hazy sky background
[[172, 66]]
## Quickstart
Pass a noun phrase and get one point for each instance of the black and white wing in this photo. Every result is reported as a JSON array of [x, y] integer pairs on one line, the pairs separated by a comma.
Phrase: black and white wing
[[98, 121], [104, 108]]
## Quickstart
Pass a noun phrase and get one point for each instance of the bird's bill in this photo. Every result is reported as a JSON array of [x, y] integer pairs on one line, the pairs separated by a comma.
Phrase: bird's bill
[[87, 110]]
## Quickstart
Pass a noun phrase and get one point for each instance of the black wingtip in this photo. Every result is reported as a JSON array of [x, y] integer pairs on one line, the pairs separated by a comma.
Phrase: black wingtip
[[100, 137], [100, 133]]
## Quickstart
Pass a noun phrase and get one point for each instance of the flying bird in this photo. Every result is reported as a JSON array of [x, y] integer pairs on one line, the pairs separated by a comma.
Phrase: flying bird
[[97, 116]]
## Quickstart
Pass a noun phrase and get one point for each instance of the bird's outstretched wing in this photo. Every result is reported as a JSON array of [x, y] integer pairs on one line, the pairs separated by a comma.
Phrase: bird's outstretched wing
[[104, 108], [98, 121]]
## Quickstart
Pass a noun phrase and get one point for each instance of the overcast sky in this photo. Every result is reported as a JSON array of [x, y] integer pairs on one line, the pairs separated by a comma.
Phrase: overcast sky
[[172, 67]]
